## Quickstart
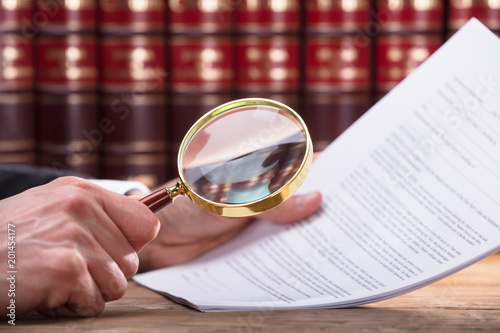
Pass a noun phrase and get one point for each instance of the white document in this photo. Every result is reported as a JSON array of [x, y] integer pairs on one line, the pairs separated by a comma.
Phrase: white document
[[411, 195]]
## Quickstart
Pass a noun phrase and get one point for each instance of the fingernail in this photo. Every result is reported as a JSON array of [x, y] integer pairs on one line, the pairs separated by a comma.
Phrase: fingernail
[[306, 199]]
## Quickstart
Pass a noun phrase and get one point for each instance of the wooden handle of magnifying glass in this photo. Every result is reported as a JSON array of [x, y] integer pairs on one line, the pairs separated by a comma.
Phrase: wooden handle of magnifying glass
[[157, 200]]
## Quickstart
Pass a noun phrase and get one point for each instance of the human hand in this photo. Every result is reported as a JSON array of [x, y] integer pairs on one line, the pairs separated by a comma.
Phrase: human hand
[[187, 231], [76, 245]]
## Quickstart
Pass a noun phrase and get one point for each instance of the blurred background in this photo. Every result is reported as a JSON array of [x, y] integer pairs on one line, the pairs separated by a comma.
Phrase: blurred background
[[108, 88]]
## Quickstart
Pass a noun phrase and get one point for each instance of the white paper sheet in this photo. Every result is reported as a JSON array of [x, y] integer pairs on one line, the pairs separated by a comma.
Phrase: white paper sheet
[[411, 195]]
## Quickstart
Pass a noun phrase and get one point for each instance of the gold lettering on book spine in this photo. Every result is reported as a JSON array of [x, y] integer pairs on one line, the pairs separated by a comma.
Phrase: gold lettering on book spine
[[15, 4], [269, 64], [338, 64], [11, 71], [11, 53], [274, 5], [493, 4], [137, 6], [344, 5], [79, 4], [466, 4], [145, 5], [204, 6], [421, 5]]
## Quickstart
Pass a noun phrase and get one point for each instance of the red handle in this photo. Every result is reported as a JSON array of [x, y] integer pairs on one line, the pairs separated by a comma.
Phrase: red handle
[[157, 200]]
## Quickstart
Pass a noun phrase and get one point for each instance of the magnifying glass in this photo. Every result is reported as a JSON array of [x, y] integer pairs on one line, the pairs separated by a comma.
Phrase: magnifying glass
[[241, 158]]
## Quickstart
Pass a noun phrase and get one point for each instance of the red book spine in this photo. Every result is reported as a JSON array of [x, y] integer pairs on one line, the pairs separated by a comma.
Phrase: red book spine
[[16, 62], [202, 63], [133, 77], [328, 16], [132, 62], [461, 11], [194, 16], [143, 16], [17, 128], [398, 55], [66, 63], [335, 64], [268, 16], [67, 127], [134, 128], [267, 63], [402, 15], [15, 15], [66, 15]]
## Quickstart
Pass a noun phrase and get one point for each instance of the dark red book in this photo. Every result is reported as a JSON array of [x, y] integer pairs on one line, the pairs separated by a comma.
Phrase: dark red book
[[338, 16], [120, 16], [268, 16], [328, 115], [66, 63], [410, 16], [69, 132], [16, 15], [134, 131], [337, 63], [66, 16], [202, 63], [17, 128], [267, 63], [398, 55], [16, 62], [194, 16], [132, 63]]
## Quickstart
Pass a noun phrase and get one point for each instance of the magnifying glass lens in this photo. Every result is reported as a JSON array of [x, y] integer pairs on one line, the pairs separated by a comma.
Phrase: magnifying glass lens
[[243, 155], [240, 159]]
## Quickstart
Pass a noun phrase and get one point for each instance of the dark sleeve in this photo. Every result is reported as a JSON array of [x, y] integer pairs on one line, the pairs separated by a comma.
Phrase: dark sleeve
[[15, 178]]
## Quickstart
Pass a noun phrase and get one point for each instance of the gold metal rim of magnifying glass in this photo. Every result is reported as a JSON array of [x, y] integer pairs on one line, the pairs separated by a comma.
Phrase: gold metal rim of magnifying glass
[[260, 205]]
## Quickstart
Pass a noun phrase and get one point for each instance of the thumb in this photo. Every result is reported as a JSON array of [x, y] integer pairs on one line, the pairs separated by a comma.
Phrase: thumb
[[294, 209]]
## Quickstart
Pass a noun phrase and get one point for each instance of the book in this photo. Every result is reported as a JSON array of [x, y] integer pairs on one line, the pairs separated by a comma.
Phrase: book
[[329, 114], [411, 194], [267, 63], [17, 128], [17, 71], [132, 137], [201, 63], [398, 55], [66, 63], [66, 126]]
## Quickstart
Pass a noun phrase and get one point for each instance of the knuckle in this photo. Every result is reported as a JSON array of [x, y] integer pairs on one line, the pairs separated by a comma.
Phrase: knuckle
[[72, 200], [74, 264], [69, 181], [116, 287], [130, 265]]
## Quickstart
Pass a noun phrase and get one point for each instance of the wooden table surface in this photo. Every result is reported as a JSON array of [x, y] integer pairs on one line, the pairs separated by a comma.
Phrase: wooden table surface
[[468, 301]]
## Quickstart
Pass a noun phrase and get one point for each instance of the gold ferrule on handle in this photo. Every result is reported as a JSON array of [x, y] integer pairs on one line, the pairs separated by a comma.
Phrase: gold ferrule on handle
[[177, 190]]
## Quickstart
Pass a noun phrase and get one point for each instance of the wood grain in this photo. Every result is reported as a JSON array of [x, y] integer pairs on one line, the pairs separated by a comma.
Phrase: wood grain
[[468, 301]]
